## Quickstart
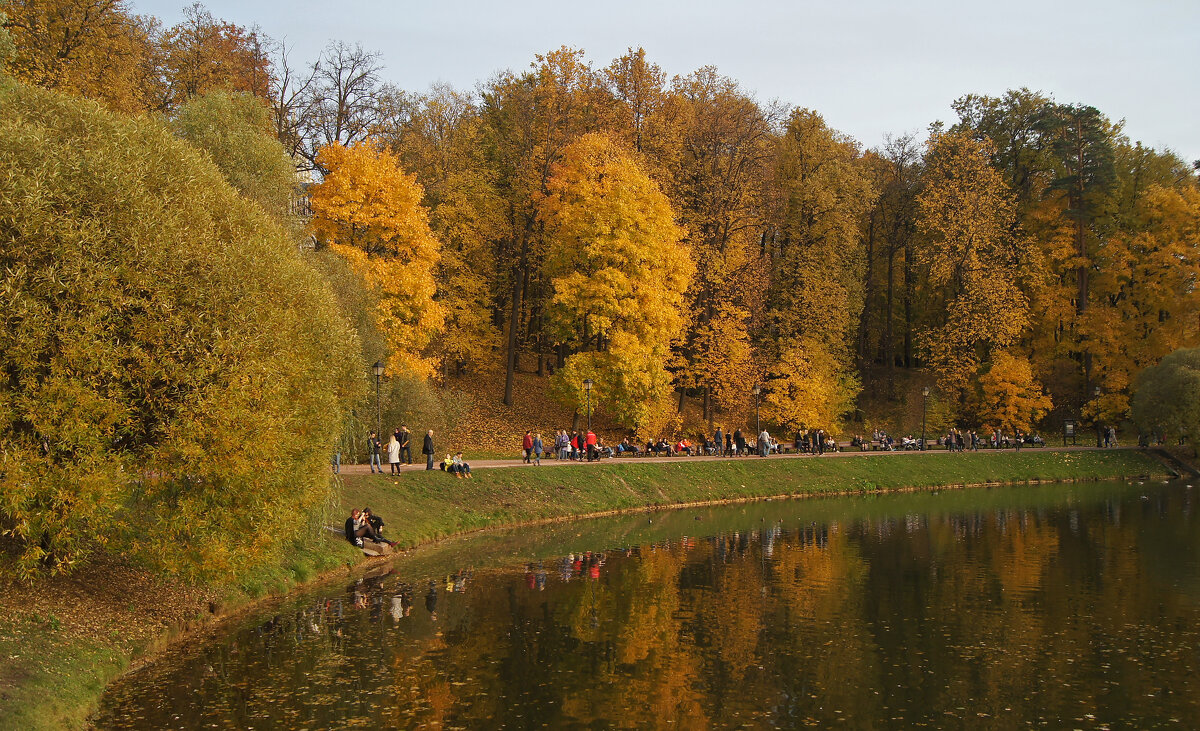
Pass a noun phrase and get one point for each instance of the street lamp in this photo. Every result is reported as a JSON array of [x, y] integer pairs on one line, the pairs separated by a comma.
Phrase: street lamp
[[924, 411], [587, 386], [377, 369], [757, 425]]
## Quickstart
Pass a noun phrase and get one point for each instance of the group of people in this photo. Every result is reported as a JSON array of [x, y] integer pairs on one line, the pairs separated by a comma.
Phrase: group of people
[[398, 450], [576, 445], [456, 466], [365, 525]]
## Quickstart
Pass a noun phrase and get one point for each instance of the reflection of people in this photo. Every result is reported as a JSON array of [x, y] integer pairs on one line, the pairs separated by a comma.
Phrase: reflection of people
[[431, 600]]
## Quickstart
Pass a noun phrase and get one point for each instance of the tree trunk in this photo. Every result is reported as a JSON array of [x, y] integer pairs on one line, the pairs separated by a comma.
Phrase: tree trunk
[[908, 306], [864, 323], [514, 320]]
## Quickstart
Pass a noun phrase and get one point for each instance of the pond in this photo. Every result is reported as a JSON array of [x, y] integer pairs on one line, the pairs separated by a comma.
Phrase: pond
[[1048, 605]]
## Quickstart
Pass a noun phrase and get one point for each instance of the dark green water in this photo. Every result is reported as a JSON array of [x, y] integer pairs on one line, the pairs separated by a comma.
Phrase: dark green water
[[1057, 606]]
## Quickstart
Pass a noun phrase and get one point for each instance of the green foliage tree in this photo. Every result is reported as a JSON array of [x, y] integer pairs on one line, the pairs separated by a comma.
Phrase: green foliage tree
[[1166, 398], [235, 129], [174, 373]]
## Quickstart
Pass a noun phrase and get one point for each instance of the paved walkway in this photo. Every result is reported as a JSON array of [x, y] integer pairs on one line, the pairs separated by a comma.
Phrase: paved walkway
[[362, 469]]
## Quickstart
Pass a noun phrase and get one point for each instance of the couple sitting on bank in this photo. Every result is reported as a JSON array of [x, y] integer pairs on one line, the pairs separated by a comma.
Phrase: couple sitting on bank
[[363, 524], [456, 466]]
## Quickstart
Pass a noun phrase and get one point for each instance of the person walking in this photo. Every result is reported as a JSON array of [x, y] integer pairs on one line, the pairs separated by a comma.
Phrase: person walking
[[537, 449], [728, 445], [405, 446], [527, 446], [764, 443], [393, 451], [427, 449], [589, 446], [373, 447], [719, 439], [739, 442]]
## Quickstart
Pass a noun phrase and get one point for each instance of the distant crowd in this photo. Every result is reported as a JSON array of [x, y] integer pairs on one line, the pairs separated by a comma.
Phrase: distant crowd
[[586, 445]]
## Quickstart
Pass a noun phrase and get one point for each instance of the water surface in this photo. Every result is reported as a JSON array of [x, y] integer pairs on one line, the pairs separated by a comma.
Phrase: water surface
[[1047, 605]]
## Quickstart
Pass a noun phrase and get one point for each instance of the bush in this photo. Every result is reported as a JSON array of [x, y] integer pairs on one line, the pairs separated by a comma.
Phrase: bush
[[1166, 399], [172, 374]]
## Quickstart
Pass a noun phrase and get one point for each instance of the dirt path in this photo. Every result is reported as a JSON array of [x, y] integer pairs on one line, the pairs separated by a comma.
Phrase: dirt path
[[362, 469]]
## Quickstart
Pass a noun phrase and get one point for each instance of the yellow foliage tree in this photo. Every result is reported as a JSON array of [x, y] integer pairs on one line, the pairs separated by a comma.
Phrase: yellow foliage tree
[[808, 387], [618, 273], [966, 218], [1012, 396], [370, 212]]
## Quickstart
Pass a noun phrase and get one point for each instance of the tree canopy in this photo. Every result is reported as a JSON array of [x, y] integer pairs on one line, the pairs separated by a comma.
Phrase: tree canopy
[[160, 339]]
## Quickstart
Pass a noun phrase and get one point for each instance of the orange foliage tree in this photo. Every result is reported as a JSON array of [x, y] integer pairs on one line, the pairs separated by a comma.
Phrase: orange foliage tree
[[370, 212]]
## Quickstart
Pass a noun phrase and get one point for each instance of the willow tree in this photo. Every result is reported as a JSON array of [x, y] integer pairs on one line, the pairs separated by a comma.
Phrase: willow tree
[[370, 212], [171, 365], [235, 130], [619, 273]]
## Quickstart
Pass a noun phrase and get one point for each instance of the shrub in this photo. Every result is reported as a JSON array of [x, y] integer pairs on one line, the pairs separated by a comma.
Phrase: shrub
[[172, 374]]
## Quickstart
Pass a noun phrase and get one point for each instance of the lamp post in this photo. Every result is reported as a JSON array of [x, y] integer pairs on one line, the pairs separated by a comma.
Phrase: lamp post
[[924, 411], [587, 387], [757, 425], [377, 369], [1099, 428]]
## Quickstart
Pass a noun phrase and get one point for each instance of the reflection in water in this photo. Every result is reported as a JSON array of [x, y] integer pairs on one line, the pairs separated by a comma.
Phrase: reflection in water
[[1079, 609]]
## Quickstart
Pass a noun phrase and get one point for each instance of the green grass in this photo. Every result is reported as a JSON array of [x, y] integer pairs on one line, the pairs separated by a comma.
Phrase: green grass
[[58, 694], [424, 506]]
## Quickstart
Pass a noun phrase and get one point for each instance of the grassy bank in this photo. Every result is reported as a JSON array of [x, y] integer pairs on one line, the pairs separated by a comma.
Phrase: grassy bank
[[64, 639], [425, 506]]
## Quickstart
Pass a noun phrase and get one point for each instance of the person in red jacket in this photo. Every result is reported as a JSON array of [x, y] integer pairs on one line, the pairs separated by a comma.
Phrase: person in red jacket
[[527, 445], [590, 447]]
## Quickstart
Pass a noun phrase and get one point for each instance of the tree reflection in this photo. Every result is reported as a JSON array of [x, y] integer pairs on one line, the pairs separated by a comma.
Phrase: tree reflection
[[1051, 613]]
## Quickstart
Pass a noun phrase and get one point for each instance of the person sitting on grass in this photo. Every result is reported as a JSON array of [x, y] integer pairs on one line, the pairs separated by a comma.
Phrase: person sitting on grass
[[358, 528], [446, 463], [376, 524], [459, 468]]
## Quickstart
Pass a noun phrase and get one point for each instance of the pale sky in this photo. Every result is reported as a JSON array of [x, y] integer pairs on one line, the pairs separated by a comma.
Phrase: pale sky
[[870, 68]]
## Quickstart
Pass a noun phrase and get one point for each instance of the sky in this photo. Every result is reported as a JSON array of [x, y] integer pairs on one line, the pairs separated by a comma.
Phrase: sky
[[871, 68]]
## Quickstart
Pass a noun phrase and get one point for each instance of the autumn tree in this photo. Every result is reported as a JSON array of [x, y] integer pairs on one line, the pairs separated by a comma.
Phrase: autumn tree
[[891, 293], [370, 212], [235, 130], [973, 255], [716, 171], [1012, 398], [816, 256], [202, 54], [528, 119], [158, 329], [439, 144], [618, 273], [92, 48]]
